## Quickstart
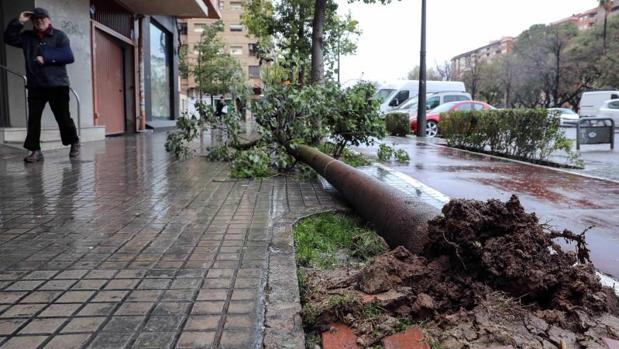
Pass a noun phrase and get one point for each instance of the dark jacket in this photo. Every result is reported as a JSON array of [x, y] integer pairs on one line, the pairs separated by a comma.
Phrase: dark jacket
[[54, 48]]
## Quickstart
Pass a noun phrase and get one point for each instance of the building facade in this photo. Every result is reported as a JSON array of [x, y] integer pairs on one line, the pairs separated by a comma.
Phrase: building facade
[[484, 54], [125, 71], [588, 19], [237, 41]]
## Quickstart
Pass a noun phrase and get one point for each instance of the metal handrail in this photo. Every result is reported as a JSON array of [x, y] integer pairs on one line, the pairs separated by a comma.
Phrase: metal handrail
[[25, 88], [79, 111], [25, 79]]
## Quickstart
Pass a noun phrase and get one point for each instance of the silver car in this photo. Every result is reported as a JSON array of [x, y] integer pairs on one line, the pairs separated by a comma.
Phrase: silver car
[[568, 116], [610, 109]]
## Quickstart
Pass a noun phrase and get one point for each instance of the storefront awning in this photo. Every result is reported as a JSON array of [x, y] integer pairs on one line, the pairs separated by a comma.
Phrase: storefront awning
[[178, 8]]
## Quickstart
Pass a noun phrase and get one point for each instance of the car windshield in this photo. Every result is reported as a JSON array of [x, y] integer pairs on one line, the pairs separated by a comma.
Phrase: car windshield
[[443, 107], [383, 94]]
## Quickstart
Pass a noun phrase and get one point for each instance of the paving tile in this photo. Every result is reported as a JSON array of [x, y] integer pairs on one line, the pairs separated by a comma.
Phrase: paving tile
[[171, 309], [7, 327], [196, 340], [240, 321], [134, 308], [41, 297], [11, 297], [43, 326], [95, 309], [212, 295], [71, 274], [40, 275], [412, 338], [27, 285], [22, 310], [23, 342], [236, 339], [154, 340], [202, 322], [118, 324], [109, 296], [85, 324], [67, 341], [122, 284], [100, 274], [242, 307], [144, 295], [339, 337], [75, 297], [55, 310], [58, 284], [163, 323], [200, 308], [108, 340], [94, 284], [155, 284]]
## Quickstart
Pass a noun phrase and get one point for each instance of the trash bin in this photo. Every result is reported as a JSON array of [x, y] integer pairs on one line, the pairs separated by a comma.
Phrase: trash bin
[[595, 131]]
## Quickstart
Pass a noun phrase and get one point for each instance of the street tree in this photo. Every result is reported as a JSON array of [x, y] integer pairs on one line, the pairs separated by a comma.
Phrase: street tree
[[606, 5]]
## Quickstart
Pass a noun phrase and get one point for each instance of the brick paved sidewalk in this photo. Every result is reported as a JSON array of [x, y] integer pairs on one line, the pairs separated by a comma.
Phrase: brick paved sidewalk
[[129, 248]]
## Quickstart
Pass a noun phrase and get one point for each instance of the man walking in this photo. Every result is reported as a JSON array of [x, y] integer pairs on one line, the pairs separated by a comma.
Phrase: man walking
[[47, 52]]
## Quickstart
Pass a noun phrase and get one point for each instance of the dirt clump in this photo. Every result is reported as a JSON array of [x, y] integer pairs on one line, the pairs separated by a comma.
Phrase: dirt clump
[[491, 274]]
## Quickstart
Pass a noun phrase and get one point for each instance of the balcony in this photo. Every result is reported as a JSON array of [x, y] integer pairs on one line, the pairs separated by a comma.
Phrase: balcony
[[178, 8]]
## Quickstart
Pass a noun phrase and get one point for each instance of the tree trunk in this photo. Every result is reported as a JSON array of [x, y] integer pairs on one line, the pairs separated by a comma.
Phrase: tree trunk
[[300, 38], [317, 41], [555, 92]]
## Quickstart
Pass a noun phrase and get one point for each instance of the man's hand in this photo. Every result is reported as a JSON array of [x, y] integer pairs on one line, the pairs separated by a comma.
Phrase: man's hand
[[25, 16], [40, 60]]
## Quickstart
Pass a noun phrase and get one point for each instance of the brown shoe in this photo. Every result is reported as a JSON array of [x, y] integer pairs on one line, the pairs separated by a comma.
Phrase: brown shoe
[[34, 156], [75, 150]]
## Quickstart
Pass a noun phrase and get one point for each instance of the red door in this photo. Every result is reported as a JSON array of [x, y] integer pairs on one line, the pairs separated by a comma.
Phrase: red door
[[110, 94]]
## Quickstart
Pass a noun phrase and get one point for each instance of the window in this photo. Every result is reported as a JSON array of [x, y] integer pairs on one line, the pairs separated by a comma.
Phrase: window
[[199, 27], [433, 102], [182, 28], [254, 71], [454, 98], [613, 105], [465, 107], [236, 28], [220, 4], [477, 106], [399, 98], [236, 50], [253, 49], [614, 96], [236, 5]]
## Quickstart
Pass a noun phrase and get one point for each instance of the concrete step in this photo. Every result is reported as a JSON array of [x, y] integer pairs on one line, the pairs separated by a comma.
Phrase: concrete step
[[49, 135]]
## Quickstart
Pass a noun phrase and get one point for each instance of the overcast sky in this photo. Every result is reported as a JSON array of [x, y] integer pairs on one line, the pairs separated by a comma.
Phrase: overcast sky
[[390, 42]]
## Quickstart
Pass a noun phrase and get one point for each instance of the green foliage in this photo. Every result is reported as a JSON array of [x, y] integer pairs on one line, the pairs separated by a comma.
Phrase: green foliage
[[348, 156], [385, 152], [368, 244], [354, 118], [284, 32], [221, 153], [401, 155], [179, 142], [319, 239], [397, 124], [253, 163], [530, 134]]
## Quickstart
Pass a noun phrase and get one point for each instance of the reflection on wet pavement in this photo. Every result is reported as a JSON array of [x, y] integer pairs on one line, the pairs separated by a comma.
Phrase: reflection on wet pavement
[[129, 247]]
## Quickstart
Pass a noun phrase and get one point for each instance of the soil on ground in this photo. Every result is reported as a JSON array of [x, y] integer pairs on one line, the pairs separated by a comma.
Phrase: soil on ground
[[491, 274]]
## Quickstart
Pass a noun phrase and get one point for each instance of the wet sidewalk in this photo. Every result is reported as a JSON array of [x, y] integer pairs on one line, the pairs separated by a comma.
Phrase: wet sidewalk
[[130, 248], [563, 199]]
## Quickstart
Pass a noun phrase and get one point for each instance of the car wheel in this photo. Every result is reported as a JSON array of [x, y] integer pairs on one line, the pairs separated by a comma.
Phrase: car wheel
[[431, 129]]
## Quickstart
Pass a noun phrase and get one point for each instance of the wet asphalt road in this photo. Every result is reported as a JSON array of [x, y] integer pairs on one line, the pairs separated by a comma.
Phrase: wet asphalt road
[[563, 200]]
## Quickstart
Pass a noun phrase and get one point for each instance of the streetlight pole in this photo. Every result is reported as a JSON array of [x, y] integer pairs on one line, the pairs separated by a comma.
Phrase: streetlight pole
[[421, 99]]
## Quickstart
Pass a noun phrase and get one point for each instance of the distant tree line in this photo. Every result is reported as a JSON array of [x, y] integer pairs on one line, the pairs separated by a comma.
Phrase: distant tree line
[[550, 66]]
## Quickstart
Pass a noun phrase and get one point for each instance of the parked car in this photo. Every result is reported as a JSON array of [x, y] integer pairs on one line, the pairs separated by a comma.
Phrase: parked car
[[610, 109], [591, 101], [433, 100], [567, 116], [433, 117], [393, 94]]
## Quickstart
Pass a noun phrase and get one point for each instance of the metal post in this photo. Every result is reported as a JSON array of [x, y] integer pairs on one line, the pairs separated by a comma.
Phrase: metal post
[[421, 99]]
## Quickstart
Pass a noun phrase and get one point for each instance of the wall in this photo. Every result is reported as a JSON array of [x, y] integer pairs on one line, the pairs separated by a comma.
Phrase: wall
[[15, 62], [73, 17]]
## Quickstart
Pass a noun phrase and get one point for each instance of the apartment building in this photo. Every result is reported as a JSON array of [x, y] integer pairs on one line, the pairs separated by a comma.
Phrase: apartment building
[[587, 19], [237, 42], [483, 54]]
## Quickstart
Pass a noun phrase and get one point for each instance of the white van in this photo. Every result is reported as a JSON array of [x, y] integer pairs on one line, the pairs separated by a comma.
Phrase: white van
[[395, 93], [591, 101]]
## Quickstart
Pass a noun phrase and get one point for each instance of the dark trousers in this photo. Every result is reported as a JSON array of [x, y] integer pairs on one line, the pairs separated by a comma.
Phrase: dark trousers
[[58, 98]]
